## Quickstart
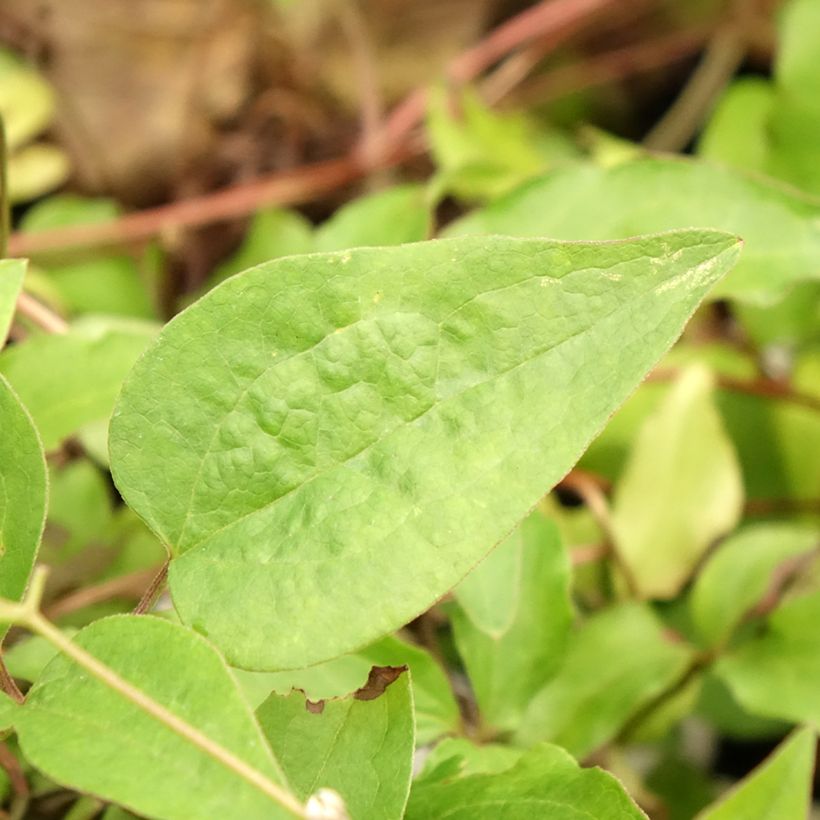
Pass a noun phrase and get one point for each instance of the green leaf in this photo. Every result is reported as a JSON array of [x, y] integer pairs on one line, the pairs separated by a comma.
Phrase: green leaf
[[361, 745], [8, 711], [23, 485], [273, 232], [508, 667], [738, 574], [546, 782], [681, 488], [480, 154], [617, 661], [390, 217], [780, 229], [12, 272], [738, 132], [328, 443], [35, 170], [776, 673], [86, 735], [68, 380], [91, 282], [436, 711], [797, 69], [26, 100], [779, 788], [458, 756]]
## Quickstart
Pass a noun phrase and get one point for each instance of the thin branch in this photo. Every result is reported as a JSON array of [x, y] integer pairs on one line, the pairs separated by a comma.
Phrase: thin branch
[[556, 18], [781, 581], [124, 586], [684, 118], [154, 588], [39, 314], [8, 685], [15, 772]]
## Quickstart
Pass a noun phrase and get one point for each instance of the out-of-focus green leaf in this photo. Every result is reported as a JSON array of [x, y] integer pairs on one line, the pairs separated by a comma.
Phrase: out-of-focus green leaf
[[781, 229], [792, 322], [681, 488], [375, 420], [457, 756], [738, 574], [273, 233], [390, 217], [546, 782], [26, 659], [68, 380], [68, 712], [480, 154], [35, 170], [775, 674], [683, 788], [361, 745], [509, 666], [779, 788], [23, 490], [617, 660], [435, 708], [91, 282], [8, 711], [12, 272], [738, 130]]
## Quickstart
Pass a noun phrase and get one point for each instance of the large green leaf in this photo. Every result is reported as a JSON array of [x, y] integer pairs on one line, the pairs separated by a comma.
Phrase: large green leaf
[[738, 574], [70, 380], [436, 711], [780, 788], [330, 442], [22, 495], [780, 228], [776, 673], [12, 272], [86, 735], [508, 667], [681, 488], [546, 783], [618, 660], [361, 745]]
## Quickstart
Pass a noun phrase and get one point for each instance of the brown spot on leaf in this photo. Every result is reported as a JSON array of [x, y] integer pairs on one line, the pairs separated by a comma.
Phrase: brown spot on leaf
[[378, 680], [315, 707]]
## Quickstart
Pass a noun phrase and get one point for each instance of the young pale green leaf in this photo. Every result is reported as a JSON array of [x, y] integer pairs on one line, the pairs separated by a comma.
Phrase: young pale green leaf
[[617, 661], [23, 485], [776, 673], [328, 443], [12, 272], [390, 217], [507, 668], [681, 488], [436, 711], [737, 576], [780, 788], [780, 228], [546, 782], [360, 745], [84, 734], [68, 380]]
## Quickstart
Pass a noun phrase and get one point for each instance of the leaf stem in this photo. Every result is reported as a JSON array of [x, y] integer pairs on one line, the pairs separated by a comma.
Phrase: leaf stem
[[27, 613]]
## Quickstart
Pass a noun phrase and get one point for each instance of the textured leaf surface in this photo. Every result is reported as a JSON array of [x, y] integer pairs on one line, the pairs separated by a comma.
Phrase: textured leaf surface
[[776, 674], [361, 748], [546, 782], [780, 228], [89, 737], [738, 574], [22, 495], [12, 272], [436, 711], [330, 442], [618, 660], [69, 380], [778, 789], [506, 669], [681, 488]]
